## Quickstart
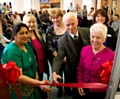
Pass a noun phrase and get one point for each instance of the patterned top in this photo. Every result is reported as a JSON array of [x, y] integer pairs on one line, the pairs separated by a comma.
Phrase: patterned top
[[26, 61], [52, 39]]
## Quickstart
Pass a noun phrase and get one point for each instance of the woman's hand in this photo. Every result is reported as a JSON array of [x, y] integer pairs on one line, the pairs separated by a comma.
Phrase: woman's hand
[[81, 91], [44, 87]]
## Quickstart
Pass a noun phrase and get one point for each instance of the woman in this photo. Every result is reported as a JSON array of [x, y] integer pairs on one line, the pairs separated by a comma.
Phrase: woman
[[90, 16], [39, 47], [91, 60], [53, 33], [21, 53], [101, 16]]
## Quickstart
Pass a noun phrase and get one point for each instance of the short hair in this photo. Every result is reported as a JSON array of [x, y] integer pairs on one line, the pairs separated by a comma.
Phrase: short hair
[[16, 28], [26, 16], [92, 8], [99, 27], [103, 13], [56, 12], [69, 14], [117, 15]]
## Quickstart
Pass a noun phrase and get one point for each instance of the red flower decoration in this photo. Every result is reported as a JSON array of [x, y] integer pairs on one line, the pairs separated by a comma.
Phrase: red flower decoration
[[12, 71], [106, 71]]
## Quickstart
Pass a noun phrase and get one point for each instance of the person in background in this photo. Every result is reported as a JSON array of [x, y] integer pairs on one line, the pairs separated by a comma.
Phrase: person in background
[[115, 24], [22, 15], [44, 18], [110, 16], [3, 41], [71, 7], [105, 6], [91, 59], [69, 46], [7, 15], [78, 10], [84, 16], [15, 18], [22, 54], [90, 16], [100, 16], [7, 28], [64, 12], [39, 47]]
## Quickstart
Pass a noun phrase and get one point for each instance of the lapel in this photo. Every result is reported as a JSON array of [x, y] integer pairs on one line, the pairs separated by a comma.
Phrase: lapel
[[83, 35], [71, 43]]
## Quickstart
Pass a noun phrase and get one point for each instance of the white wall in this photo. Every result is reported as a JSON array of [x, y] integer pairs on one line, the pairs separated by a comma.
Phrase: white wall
[[21, 5]]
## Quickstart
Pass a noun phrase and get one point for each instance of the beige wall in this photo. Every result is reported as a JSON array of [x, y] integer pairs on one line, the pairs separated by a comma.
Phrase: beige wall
[[118, 7], [110, 4]]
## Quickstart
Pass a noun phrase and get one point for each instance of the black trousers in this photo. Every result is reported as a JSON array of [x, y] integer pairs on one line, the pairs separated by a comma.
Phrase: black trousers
[[42, 93], [93, 95]]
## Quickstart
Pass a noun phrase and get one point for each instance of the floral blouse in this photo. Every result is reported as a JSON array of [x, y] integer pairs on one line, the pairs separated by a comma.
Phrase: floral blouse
[[52, 39]]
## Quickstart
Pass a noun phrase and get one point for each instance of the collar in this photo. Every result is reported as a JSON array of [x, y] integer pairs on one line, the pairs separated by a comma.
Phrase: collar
[[72, 35]]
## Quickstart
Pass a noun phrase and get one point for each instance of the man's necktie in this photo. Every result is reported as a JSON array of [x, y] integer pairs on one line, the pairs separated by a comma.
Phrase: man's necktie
[[75, 38]]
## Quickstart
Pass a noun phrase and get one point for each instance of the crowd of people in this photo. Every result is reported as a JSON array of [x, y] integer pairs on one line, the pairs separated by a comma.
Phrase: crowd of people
[[71, 46]]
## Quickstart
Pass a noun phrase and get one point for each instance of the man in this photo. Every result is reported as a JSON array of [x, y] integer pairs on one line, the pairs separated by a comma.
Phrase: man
[[70, 47], [105, 7], [71, 8], [115, 24], [7, 28]]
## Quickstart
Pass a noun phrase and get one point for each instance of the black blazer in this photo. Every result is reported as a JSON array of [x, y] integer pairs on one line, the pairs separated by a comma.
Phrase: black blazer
[[42, 42], [111, 41], [67, 48]]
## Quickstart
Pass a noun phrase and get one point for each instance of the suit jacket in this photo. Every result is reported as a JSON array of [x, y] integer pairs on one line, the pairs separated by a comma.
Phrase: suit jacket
[[112, 40], [67, 48]]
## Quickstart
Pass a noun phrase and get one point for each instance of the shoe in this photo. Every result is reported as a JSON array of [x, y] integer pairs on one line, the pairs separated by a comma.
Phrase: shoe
[[59, 93]]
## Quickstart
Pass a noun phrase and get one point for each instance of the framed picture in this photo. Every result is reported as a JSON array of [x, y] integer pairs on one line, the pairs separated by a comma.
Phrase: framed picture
[[44, 1]]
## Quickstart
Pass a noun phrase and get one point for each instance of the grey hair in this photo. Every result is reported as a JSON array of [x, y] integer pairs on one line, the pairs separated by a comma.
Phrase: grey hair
[[69, 15], [26, 16], [99, 28]]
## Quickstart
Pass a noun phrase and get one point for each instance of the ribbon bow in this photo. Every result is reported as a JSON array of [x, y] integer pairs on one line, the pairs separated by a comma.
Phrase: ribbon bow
[[106, 71], [12, 71]]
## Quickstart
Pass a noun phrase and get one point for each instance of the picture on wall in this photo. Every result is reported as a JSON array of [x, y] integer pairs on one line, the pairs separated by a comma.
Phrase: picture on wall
[[55, 5], [44, 6], [44, 1]]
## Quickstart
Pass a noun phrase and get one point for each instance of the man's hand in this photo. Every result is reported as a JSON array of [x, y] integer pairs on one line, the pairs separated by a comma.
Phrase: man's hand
[[55, 77]]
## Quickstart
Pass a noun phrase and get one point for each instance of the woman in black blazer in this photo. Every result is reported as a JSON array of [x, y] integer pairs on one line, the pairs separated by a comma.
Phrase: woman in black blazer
[[39, 48]]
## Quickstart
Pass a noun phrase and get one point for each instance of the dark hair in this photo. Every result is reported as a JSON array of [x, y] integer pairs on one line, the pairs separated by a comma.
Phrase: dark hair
[[16, 29], [92, 8], [103, 13], [117, 15]]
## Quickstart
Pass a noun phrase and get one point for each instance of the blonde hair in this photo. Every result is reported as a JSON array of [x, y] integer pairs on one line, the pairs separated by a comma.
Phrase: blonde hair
[[26, 16], [56, 12]]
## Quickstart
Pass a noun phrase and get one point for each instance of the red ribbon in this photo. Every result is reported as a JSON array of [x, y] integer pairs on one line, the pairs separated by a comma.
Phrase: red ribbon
[[12, 71], [80, 85], [106, 71]]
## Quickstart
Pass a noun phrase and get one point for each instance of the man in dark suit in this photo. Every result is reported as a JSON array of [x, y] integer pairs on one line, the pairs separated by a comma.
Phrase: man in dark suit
[[105, 6], [69, 46]]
